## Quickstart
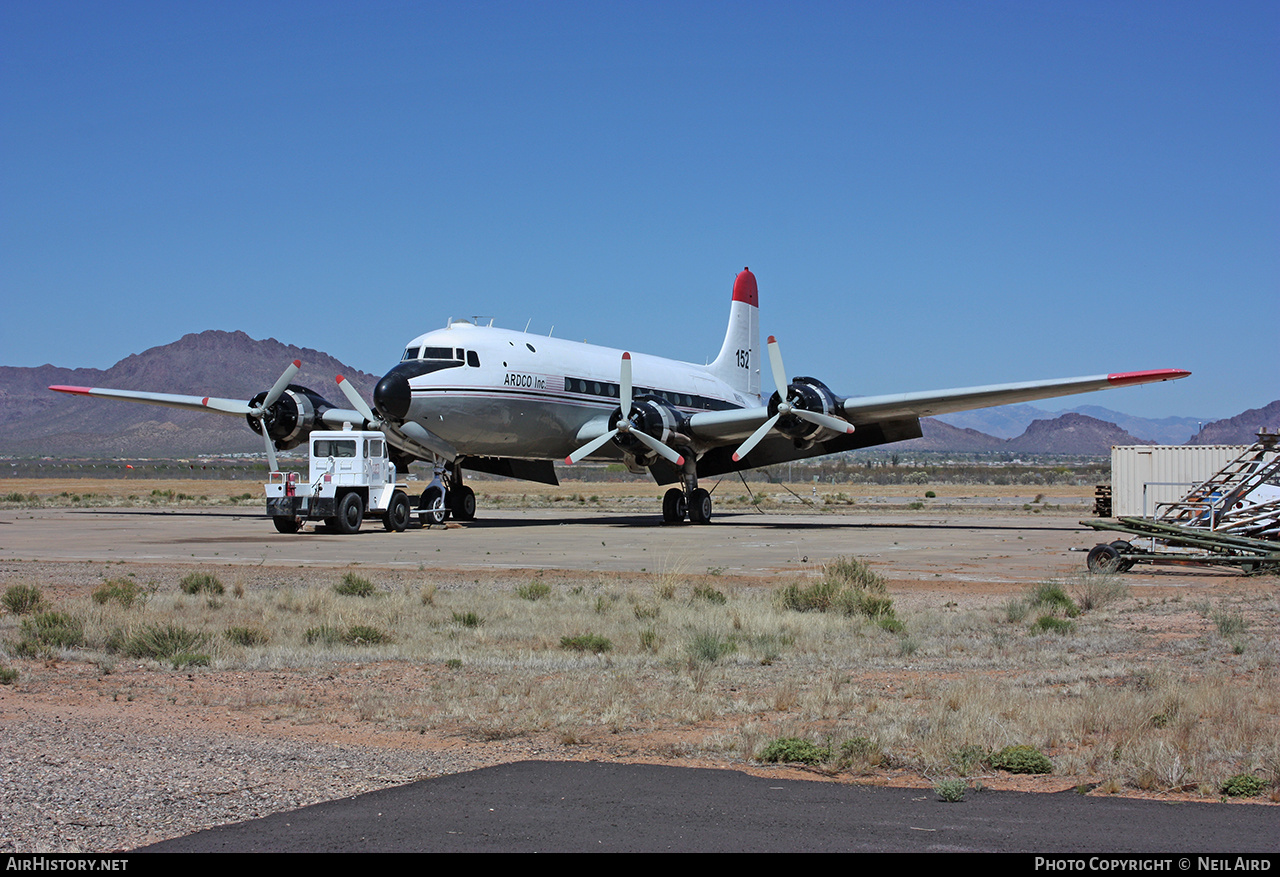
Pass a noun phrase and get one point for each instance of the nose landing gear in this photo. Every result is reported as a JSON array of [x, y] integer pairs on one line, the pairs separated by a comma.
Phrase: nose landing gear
[[446, 495]]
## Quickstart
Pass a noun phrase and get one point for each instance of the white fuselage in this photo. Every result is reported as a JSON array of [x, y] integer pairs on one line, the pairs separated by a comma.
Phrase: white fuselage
[[512, 394]]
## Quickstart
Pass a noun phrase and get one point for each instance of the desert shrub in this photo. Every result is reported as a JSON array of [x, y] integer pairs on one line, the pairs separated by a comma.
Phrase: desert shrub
[[172, 642], [967, 759], [1243, 785], [707, 646], [951, 791], [1021, 759], [52, 629], [1050, 624], [1095, 590], [649, 639], [8, 675], [324, 634], [467, 619], [246, 636], [1016, 611], [353, 585], [124, 591], [854, 573], [533, 591], [201, 583], [710, 594], [848, 586], [861, 751], [364, 635], [1229, 623], [586, 642], [793, 750], [22, 599], [1053, 597]]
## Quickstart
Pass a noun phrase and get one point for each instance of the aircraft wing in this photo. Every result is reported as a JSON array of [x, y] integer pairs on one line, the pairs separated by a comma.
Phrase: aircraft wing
[[739, 423], [170, 400], [868, 409]]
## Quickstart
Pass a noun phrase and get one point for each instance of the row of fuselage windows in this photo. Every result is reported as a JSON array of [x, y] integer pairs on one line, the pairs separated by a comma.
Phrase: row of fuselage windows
[[608, 390], [604, 389], [443, 354]]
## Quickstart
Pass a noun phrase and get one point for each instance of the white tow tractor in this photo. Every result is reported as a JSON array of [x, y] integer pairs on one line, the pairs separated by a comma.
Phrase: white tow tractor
[[351, 477]]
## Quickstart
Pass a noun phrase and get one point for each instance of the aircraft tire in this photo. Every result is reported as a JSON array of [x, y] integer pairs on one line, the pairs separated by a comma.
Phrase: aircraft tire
[[462, 502], [285, 523], [396, 518], [350, 514], [700, 507], [673, 506], [432, 508]]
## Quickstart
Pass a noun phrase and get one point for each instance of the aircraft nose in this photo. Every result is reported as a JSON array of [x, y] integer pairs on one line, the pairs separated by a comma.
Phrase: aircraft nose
[[392, 395]]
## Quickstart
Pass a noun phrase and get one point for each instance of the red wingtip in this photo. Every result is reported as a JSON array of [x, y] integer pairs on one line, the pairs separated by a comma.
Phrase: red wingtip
[[1125, 379], [340, 379], [772, 340], [568, 461], [745, 290], [205, 401], [626, 355], [736, 458], [680, 462], [298, 363], [79, 391]]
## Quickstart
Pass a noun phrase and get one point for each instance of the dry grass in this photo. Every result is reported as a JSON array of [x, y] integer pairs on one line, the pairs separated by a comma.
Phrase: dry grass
[[1138, 695]]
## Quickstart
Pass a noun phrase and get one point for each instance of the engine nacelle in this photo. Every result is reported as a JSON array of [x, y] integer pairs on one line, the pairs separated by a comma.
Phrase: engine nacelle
[[291, 419], [809, 394], [654, 416]]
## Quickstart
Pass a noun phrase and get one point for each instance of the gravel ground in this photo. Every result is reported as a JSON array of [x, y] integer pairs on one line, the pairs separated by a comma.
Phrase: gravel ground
[[80, 785]]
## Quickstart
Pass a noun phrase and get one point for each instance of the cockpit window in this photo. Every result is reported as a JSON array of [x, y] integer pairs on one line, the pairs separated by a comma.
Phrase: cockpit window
[[447, 353], [409, 353], [473, 359]]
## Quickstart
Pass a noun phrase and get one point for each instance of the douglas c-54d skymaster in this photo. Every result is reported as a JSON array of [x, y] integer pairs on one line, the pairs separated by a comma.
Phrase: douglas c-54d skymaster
[[509, 403]]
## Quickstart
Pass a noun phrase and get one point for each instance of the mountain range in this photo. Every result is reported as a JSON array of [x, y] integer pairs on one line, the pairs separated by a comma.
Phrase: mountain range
[[37, 422]]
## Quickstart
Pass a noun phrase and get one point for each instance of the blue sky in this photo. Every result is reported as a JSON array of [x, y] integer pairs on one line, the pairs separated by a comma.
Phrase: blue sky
[[930, 194]]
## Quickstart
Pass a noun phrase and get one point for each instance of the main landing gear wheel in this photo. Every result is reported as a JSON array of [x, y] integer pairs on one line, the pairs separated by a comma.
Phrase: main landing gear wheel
[[396, 517], [432, 509], [350, 514], [674, 506], [462, 502], [286, 523], [700, 507]]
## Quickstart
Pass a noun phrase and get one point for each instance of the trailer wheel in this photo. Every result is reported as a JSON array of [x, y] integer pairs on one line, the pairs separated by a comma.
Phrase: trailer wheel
[[350, 514], [1103, 558], [285, 523], [432, 509], [396, 518]]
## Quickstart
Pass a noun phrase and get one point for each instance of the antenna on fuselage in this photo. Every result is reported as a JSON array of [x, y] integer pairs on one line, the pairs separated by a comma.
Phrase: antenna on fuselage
[[553, 328], [528, 324]]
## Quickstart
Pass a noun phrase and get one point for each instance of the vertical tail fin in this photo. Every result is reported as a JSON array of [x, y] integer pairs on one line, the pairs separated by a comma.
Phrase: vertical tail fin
[[738, 363]]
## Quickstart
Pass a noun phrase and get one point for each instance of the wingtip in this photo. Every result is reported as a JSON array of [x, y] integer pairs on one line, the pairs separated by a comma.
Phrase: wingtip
[[1124, 379], [78, 391], [736, 458]]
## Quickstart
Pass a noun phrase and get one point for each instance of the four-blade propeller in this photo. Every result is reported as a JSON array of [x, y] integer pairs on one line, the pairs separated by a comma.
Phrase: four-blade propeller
[[787, 405], [628, 425]]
